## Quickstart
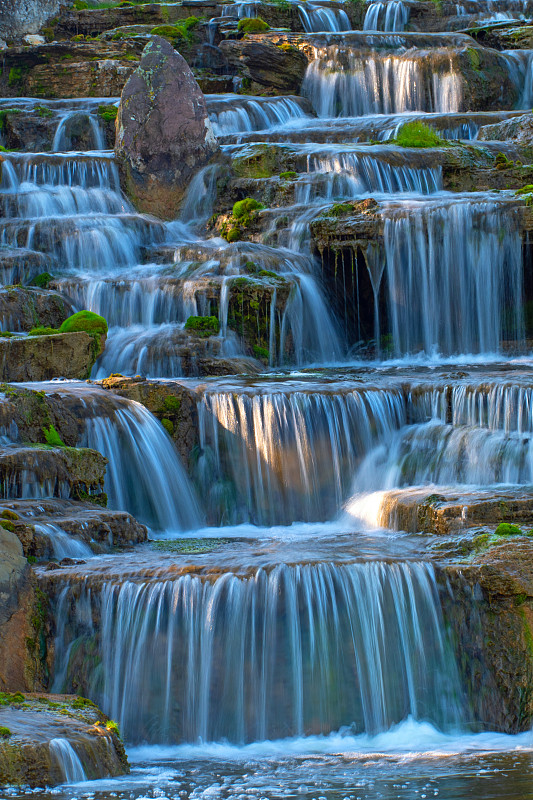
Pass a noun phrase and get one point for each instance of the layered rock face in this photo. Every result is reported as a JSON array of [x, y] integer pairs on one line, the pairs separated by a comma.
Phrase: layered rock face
[[40, 358], [17, 600], [164, 135]]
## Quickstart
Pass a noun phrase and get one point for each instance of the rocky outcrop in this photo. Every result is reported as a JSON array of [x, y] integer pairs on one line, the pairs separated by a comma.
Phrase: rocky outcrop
[[517, 129], [488, 605], [19, 17], [164, 135], [43, 728], [22, 309], [40, 358], [45, 471], [277, 66], [100, 528], [450, 511], [20, 626]]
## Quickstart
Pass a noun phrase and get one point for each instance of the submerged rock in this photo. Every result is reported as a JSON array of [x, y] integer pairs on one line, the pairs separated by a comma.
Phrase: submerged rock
[[57, 738], [164, 135]]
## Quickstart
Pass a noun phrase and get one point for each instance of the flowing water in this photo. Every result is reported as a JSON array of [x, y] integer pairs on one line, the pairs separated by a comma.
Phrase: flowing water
[[276, 640]]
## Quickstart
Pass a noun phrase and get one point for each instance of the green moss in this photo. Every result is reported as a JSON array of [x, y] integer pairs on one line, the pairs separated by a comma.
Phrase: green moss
[[507, 529], [83, 702], [288, 176], [418, 134], [42, 280], [251, 267], [177, 31], [168, 425], [232, 235], [252, 25], [6, 335], [203, 326], [111, 725], [263, 353], [16, 76], [7, 513], [267, 273], [43, 331], [86, 321], [80, 4], [338, 209], [5, 733], [9, 526], [243, 208], [172, 403], [501, 162], [8, 698], [475, 58], [108, 113], [52, 437]]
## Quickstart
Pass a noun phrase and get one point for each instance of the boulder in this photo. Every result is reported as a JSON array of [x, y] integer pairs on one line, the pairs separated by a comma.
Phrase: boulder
[[164, 135], [23, 308], [19, 17], [40, 358], [517, 129]]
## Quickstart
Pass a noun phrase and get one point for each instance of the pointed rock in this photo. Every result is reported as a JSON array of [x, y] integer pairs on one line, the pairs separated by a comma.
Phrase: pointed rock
[[164, 135]]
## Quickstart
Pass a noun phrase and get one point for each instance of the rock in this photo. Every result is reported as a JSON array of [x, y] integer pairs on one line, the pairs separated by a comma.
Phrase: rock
[[22, 309], [30, 756], [164, 135], [517, 129], [488, 601], [416, 509], [266, 64], [33, 38], [16, 610], [40, 358], [44, 471], [101, 528], [19, 17]]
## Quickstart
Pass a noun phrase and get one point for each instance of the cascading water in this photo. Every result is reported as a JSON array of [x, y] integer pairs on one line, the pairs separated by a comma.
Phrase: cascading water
[[294, 651], [68, 760], [460, 279], [392, 15]]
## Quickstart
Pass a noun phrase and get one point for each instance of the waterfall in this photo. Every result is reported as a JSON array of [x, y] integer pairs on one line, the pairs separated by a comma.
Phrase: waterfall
[[453, 276], [392, 15], [62, 544], [345, 82], [144, 476], [288, 652], [315, 18], [336, 175], [67, 760], [63, 135], [237, 114], [274, 458]]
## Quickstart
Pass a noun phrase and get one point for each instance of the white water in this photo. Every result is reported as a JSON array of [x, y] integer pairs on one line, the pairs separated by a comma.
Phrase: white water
[[68, 761]]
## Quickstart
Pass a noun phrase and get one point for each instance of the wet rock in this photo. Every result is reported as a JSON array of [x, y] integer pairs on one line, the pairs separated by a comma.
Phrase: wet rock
[[450, 511], [279, 69], [22, 309], [20, 265], [45, 471], [164, 135], [100, 528], [26, 413], [40, 358], [517, 129], [32, 756], [489, 604], [31, 131], [17, 600]]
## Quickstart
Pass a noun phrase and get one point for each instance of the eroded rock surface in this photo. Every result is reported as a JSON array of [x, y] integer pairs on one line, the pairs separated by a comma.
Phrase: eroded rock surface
[[32, 755], [517, 129], [164, 135]]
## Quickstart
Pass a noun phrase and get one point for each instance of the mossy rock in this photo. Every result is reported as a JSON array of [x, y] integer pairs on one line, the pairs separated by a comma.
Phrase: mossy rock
[[86, 321], [252, 25], [203, 326]]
